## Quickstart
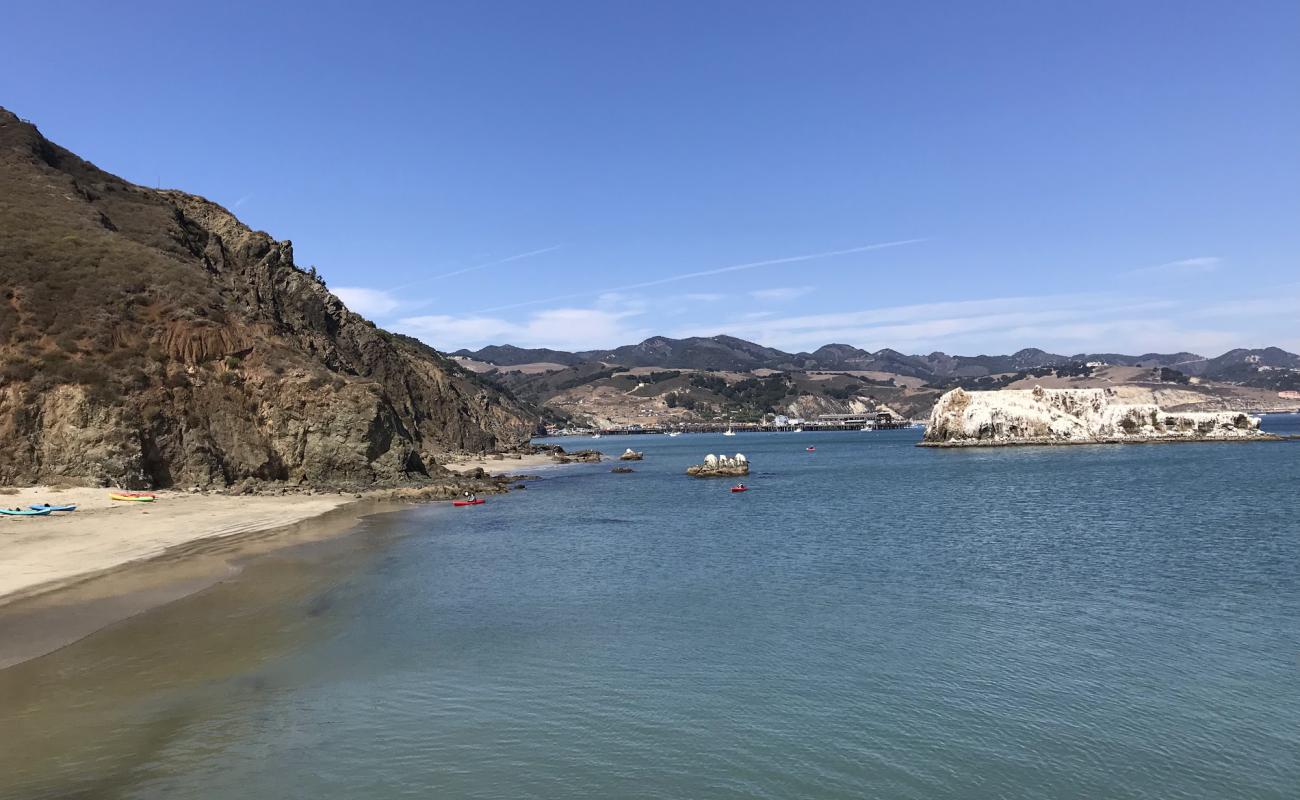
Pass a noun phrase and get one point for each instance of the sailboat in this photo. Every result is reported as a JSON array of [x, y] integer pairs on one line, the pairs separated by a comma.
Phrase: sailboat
[[728, 431]]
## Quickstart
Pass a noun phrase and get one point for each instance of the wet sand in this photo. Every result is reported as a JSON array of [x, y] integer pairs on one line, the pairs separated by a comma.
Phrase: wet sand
[[74, 575], [69, 574], [40, 554]]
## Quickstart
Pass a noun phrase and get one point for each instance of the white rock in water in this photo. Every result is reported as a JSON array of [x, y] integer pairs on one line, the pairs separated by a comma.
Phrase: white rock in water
[[740, 458], [1063, 416], [711, 460]]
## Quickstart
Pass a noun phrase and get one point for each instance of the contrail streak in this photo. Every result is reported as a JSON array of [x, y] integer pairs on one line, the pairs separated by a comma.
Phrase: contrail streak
[[706, 273], [498, 262]]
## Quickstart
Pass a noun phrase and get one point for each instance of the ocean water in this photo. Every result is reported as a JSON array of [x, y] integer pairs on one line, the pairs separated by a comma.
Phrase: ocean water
[[873, 619]]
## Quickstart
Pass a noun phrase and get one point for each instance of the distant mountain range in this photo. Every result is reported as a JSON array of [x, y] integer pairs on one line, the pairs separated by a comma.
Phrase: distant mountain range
[[730, 353]]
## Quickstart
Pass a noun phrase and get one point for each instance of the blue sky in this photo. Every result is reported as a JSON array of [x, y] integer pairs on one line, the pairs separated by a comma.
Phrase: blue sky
[[970, 177]]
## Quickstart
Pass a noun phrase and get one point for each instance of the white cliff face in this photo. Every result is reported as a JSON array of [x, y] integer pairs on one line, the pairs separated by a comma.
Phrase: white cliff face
[[1065, 416]]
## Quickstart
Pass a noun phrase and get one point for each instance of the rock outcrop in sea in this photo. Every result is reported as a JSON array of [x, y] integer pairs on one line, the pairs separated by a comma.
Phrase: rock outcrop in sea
[[720, 467], [578, 457], [1072, 416], [631, 455]]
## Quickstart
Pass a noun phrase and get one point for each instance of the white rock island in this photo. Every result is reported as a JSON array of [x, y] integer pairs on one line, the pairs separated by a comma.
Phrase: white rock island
[[720, 467], [1073, 416]]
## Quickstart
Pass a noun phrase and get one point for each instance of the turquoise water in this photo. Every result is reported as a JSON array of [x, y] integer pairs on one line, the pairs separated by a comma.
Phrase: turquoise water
[[871, 620]]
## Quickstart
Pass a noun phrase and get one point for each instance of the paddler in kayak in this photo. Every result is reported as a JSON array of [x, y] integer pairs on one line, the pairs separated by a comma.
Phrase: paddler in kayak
[[468, 496]]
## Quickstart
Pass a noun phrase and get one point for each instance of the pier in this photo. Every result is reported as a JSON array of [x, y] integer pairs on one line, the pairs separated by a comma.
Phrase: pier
[[825, 422]]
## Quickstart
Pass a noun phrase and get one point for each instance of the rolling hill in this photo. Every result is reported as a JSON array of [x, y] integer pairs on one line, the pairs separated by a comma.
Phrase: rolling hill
[[730, 353]]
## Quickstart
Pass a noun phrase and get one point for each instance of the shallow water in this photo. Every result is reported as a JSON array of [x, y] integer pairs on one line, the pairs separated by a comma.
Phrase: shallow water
[[872, 619]]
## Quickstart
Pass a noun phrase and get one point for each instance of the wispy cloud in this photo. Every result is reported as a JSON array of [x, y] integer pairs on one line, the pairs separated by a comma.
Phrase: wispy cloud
[[705, 273], [476, 267], [782, 292], [367, 302], [957, 325], [1280, 301], [243, 200], [1065, 323], [560, 328], [1187, 266]]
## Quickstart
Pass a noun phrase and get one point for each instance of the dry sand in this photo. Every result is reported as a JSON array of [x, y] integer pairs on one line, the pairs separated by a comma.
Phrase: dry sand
[[508, 464], [42, 553]]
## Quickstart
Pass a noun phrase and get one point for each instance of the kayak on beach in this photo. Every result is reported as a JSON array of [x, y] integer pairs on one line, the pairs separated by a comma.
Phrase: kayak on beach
[[25, 512], [132, 497], [48, 507], [475, 502]]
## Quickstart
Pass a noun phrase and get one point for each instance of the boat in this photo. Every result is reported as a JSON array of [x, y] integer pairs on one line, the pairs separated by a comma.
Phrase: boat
[[811, 449], [25, 512], [740, 487], [132, 497], [674, 433], [595, 436], [48, 507], [478, 501], [798, 430]]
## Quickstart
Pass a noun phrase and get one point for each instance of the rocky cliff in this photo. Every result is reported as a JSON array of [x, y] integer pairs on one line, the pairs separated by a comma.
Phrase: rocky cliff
[[149, 338], [1072, 416]]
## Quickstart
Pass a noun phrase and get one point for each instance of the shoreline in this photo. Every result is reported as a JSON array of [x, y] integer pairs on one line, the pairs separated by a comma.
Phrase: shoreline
[[47, 616], [69, 575], [46, 554], [956, 445]]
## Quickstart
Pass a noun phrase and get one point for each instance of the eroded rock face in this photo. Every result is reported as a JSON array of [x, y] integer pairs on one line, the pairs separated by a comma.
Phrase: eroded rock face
[[1072, 416], [211, 358]]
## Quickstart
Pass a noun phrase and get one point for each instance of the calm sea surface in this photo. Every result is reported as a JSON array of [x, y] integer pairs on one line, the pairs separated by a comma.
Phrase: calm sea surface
[[871, 620]]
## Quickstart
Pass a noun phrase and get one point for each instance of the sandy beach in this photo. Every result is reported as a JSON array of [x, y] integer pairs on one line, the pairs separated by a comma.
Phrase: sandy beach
[[39, 554], [68, 574], [43, 553], [511, 464]]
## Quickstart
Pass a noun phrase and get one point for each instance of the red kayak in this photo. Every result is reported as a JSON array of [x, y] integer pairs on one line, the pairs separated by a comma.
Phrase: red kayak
[[811, 449], [478, 502], [741, 488]]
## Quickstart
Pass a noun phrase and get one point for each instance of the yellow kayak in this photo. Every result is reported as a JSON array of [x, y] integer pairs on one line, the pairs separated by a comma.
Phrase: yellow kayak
[[132, 498]]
